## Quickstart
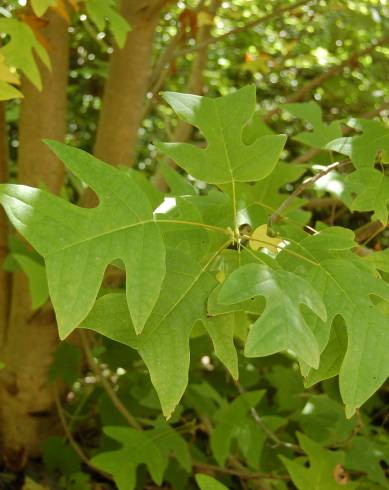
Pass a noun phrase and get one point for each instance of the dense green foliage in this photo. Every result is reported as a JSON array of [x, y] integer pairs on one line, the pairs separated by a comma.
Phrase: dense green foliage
[[245, 344]]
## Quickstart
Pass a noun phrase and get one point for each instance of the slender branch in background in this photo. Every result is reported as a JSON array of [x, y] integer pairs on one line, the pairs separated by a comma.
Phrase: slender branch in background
[[243, 28], [161, 71], [163, 63], [194, 86], [307, 183], [323, 77], [166, 57], [161, 67], [374, 234], [271, 435], [69, 436], [95, 368], [323, 202], [368, 229]]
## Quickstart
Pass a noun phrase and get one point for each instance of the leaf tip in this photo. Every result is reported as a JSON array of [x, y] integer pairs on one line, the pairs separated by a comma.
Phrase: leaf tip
[[350, 410]]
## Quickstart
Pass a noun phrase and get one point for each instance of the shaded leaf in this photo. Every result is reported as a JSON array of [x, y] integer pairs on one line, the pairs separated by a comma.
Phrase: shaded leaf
[[206, 482], [136, 448], [372, 192], [321, 472], [363, 149], [229, 421], [36, 275], [322, 133]]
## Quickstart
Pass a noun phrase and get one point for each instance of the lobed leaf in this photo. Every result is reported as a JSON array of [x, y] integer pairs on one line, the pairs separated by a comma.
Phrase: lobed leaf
[[78, 244], [282, 325]]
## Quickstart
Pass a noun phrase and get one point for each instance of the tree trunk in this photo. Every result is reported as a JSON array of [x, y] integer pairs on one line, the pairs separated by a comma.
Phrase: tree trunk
[[27, 412], [125, 88], [4, 276]]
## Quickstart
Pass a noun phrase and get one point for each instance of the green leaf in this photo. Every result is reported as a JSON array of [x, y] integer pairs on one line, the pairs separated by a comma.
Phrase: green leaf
[[321, 470], [206, 482], [170, 442], [59, 456], [78, 244], [101, 11], [282, 325], [221, 330], [190, 239], [255, 129], [8, 92], [136, 448], [20, 50], [289, 386], [36, 275], [323, 420], [380, 260], [153, 195], [365, 456], [75, 481], [331, 358], [226, 160], [322, 133], [40, 6], [346, 285], [372, 192], [251, 437], [179, 185], [261, 199], [363, 149], [66, 365], [164, 341], [230, 419]]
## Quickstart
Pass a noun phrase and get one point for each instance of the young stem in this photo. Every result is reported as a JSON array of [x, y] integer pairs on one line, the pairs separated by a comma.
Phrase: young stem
[[132, 422]]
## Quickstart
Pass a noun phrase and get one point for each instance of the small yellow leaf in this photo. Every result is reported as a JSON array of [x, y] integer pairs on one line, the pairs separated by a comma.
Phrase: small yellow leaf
[[220, 276], [260, 239]]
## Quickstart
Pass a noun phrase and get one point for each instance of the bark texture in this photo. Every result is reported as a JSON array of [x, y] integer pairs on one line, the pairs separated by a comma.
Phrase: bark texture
[[125, 89], [27, 412], [4, 276]]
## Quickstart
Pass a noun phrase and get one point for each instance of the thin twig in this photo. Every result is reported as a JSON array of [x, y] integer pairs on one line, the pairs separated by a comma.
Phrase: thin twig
[[323, 77], [271, 435], [69, 436], [307, 183], [373, 235], [132, 422], [243, 28], [366, 230]]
